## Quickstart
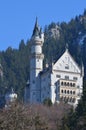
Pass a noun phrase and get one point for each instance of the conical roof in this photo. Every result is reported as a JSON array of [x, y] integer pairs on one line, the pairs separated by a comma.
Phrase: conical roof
[[36, 30]]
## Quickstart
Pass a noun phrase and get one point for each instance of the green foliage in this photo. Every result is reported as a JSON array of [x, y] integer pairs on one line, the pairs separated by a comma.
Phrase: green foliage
[[16, 68], [47, 102], [52, 25], [81, 109]]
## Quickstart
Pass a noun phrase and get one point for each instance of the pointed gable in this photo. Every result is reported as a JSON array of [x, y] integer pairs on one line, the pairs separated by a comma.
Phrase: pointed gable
[[66, 63]]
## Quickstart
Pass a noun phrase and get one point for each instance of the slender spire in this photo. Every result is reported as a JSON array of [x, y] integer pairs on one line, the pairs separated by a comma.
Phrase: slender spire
[[36, 30], [66, 47], [36, 24]]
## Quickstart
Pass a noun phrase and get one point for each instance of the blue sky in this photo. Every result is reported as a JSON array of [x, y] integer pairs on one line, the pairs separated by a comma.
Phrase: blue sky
[[17, 17]]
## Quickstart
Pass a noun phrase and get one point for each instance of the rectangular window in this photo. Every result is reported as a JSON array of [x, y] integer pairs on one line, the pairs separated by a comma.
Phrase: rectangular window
[[58, 76], [67, 77], [75, 78], [66, 67]]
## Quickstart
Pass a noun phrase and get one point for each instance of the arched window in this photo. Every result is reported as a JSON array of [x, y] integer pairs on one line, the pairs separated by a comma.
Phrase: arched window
[[73, 92], [71, 99], [65, 83], [71, 84], [61, 91], [67, 91], [70, 92], [68, 84], [61, 83]]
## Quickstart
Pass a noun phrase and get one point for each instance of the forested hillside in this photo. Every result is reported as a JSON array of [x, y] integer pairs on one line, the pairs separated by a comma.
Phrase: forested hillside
[[15, 62]]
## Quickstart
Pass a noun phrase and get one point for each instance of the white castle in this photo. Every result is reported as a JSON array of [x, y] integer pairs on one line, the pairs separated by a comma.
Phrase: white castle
[[63, 81]]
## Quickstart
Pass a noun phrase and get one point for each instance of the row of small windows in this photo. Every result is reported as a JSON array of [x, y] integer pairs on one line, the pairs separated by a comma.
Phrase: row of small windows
[[67, 84], [67, 92], [59, 76], [66, 77], [75, 78], [68, 99]]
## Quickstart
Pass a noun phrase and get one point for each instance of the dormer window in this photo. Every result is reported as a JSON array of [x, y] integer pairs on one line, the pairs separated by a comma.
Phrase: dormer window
[[66, 66]]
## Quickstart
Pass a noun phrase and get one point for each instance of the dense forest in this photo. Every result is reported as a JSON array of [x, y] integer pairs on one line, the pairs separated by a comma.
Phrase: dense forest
[[15, 62]]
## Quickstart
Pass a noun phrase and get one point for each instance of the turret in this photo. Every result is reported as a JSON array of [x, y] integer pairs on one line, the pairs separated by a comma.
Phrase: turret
[[10, 97], [82, 70], [37, 32], [36, 62]]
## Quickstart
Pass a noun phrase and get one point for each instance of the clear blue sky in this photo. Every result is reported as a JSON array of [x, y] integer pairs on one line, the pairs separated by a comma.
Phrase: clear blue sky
[[17, 17]]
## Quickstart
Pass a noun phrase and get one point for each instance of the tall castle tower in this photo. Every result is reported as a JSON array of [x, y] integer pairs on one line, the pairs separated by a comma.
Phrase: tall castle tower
[[36, 63]]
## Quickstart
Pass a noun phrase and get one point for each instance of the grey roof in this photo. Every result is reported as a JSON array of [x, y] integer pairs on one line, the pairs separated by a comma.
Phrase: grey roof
[[36, 31]]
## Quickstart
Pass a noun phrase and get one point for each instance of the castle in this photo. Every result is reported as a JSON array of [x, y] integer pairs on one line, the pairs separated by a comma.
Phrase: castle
[[62, 81]]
